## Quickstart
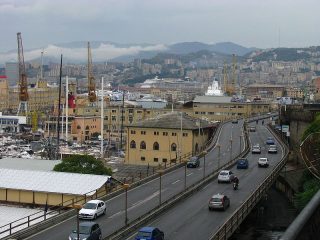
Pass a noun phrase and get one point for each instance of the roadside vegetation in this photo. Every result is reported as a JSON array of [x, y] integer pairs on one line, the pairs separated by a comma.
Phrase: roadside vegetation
[[309, 187], [309, 184], [82, 164]]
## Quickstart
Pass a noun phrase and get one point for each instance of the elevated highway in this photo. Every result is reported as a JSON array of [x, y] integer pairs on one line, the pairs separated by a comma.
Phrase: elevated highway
[[191, 219], [146, 197]]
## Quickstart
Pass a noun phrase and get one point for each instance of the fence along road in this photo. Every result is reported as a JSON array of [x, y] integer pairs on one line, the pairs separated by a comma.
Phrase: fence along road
[[146, 197], [191, 219]]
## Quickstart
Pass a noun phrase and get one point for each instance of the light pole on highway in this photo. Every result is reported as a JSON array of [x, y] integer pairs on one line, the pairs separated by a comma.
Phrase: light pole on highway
[[125, 187], [240, 142], [230, 149], [219, 148], [204, 153], [77, 207], [160, 176], [185, 174]]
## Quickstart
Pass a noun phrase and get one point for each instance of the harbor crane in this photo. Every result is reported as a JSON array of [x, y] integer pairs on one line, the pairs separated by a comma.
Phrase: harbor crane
[[91, 81], [23, 83]]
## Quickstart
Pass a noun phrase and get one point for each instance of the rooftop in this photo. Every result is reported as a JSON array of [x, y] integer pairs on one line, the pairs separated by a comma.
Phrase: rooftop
[[212, 99], [173, 120], [53, 182], [28, 164]]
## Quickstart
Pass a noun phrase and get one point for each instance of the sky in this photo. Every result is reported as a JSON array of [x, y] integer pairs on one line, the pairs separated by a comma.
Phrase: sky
[[251, 23]]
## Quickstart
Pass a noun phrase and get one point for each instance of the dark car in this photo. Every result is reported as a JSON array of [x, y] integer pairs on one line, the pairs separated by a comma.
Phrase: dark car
[[87, 230], [193, 162], [242, 163], [235, 121], [150, 233], [270, 141], [219, 201]]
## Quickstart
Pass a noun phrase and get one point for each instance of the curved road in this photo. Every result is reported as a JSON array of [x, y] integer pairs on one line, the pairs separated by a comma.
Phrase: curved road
[[146, 197], [191, 219]]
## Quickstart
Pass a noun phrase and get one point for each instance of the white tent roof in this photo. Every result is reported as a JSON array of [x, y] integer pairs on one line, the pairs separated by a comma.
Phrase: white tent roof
[[53, 182]]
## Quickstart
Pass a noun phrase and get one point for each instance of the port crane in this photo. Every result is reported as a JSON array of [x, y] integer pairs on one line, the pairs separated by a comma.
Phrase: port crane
[[23, 83], [91, 81]]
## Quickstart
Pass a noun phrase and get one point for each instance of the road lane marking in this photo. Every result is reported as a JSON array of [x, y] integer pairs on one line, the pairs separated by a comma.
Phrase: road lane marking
[[189, 174], [176, 181]]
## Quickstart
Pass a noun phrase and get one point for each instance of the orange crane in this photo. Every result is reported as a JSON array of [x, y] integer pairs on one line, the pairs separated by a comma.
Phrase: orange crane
[[23, 83], [91, 81]]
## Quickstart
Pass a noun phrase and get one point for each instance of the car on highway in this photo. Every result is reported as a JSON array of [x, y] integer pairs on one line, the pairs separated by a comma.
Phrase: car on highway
[[225, 176], [87, 231], [92, 209], [263, 162], [242, 163], [219, 201], [270, 141], [235, 121], [272, 149], [252, 129], [256, 149], [150, 233], [193, 162]]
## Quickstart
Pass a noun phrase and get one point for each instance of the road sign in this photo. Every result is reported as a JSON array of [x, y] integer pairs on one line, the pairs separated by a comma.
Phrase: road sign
[[285, 128]]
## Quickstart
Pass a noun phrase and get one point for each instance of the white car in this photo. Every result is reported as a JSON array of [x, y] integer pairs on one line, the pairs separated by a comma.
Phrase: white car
[[92, 209], [272, 149], [225, 176], [263, 162], [256, 149]]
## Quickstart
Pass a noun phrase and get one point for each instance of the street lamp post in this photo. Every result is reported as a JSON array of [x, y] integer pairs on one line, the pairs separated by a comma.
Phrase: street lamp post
[[185, 174], [230, 149], [160, 176], [219, 148], [240, 142], [77, 207], [204, 163], [125, 187]]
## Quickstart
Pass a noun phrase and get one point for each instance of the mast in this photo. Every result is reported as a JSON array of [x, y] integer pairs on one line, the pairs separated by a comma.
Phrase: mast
[[102, 117], [59, 113]]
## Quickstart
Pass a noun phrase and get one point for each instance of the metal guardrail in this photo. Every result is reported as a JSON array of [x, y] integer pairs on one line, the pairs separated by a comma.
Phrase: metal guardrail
[[138, 222], [226, 230]]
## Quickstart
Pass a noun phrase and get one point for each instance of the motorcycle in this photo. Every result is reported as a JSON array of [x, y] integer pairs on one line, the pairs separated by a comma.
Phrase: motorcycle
[[235, 186]]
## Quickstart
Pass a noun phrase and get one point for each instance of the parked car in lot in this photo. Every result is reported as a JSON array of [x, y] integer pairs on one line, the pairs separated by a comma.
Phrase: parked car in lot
[[92, 209], [193, 162], [263, 162], [256, 149], [270, 141], [252, 129], [87, 231], [150, 233], [219, 201], [234, 121], [242, 163], [225, 176], [272, 149]]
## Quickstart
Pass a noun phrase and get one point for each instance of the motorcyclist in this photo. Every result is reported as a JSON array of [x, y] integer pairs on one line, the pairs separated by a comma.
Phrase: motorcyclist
[[236, 180]]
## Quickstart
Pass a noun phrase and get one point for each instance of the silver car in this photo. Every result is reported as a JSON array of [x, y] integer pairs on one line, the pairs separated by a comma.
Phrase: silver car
[[219, 201]]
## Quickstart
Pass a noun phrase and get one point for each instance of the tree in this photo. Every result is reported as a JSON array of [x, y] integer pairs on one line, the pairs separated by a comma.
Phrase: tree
[[82, 164]]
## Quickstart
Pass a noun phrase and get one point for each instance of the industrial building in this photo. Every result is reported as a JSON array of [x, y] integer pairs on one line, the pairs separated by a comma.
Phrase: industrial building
[[48, 187]]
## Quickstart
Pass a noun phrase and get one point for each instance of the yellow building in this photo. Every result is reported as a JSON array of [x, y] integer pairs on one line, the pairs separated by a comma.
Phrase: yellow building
[[48, 187], [166, 138], [4, 100], [220, 108], [295, 92]]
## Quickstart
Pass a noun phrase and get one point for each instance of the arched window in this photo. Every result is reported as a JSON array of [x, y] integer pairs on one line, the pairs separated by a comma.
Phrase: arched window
[[143, 145], [132, 144], [156, 146], [173, 147], [78, 127]]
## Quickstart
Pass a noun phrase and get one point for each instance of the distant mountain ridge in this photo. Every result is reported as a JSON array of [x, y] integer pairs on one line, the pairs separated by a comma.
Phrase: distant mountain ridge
[[110, 51], [223, 47]]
